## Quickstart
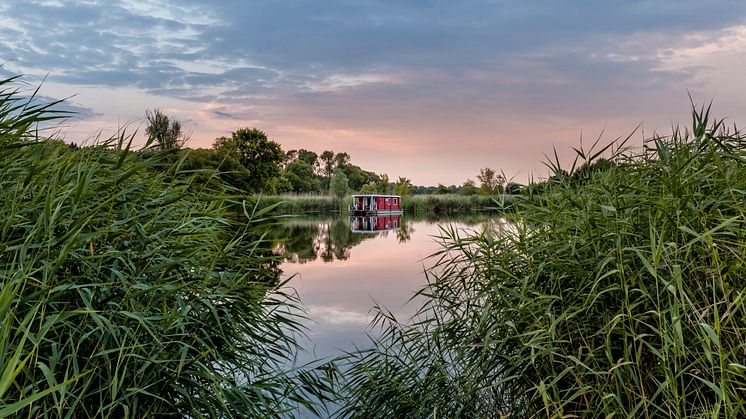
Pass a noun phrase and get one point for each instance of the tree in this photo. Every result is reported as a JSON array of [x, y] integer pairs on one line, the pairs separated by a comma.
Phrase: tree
[[469, 188], [327, 163], [301, 177], [164, 130], [443, 189], [369, 189], [338, 185], [342, 159], [357, 177], [491, 182], [383, 183], [403, 187], [260, 155], [210, 165]]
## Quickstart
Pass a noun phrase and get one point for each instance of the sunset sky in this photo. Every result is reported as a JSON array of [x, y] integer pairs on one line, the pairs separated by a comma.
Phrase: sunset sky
[[431, 90]]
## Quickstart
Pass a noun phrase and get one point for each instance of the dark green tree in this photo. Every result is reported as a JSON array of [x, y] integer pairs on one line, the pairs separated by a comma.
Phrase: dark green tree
[[258, 154], [301, 176], [469, 188]]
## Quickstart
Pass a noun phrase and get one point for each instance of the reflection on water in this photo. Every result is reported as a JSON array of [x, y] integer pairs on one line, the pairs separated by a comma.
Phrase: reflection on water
[[342, 266], [303, 240], [372, 224]]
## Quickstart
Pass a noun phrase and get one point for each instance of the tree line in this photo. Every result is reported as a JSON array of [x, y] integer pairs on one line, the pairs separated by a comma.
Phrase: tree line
[[251, 162]]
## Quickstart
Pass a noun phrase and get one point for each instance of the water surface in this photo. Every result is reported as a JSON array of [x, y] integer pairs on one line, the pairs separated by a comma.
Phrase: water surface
[[341, 267]]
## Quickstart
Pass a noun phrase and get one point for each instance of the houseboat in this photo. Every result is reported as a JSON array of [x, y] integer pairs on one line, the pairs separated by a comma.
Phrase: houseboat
[[375, 224], [375, 204]]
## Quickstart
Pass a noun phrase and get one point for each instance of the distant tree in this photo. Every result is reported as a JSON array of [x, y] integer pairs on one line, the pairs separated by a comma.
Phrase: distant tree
[[443, 189], [258, 154], [491, 182], [358, 177], [403, 187], [164, 130], [301, 177], [281, 184], [369, 189], [338, 185], [310, 158], [341, 159], [469, 188], [327, 163], [383, 185], [326, 167]]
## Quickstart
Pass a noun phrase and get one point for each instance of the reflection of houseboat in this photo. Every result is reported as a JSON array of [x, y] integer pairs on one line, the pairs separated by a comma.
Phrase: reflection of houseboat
[[375, 224], [375, 204]]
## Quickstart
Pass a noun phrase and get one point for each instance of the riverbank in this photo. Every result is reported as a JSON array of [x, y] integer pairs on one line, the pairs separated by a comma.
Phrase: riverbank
[[418, 204]]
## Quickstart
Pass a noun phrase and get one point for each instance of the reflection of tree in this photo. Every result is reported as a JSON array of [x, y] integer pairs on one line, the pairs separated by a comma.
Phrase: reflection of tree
[[339, 241], [404, 233], [302, 241]]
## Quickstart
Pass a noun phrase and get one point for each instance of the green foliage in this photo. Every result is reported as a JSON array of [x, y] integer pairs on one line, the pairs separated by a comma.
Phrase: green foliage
[[623, 297], [369, 189], [491, 182], [305, 203], [469, 188], [301, 176], [338, 185], [383, 186], [453, 204], [403, 187], [214, 168], [357, 177], [259, 155], [164, 131], [126, 293]]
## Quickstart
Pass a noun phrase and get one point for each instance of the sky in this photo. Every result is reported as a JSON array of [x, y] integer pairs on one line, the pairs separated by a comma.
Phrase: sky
[[432, 90]]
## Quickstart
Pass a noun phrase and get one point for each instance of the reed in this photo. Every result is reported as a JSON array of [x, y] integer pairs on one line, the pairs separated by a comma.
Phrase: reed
[[619, 295], [127, 293], [304, 203], [454, 204]]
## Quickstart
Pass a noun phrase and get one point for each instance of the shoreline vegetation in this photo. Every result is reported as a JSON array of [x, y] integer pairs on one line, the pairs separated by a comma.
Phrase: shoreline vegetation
[[445, 204], [134, 284], [618, 292]]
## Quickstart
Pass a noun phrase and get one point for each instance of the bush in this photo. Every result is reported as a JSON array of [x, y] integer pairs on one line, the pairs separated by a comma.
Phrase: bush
[[621, 296]]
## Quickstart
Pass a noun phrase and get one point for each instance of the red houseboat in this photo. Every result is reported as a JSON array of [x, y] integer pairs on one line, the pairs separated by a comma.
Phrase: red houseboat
[[375, 204]]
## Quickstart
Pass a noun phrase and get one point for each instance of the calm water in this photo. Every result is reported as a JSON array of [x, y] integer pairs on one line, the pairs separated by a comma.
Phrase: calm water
[[341, 267]]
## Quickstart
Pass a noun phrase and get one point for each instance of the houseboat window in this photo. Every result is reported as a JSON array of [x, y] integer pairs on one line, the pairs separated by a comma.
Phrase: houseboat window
[[388, 201], [395, 201]]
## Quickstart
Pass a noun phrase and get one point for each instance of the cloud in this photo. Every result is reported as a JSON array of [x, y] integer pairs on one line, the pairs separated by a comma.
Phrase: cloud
[[372, 76]]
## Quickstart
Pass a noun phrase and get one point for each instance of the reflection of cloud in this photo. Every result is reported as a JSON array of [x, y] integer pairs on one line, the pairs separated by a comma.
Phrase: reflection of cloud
[[337, 316]]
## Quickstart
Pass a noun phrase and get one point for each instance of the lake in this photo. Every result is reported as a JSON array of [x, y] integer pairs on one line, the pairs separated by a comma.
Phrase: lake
[[342, 266]]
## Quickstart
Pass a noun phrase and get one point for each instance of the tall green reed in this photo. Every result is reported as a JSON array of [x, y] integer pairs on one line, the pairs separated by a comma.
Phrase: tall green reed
[[618, 294], [129, 292]]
